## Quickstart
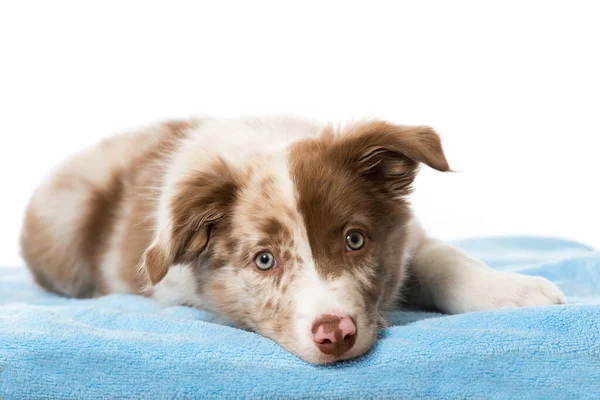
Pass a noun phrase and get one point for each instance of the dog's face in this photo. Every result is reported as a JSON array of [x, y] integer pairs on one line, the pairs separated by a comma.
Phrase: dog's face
[[302, 246]]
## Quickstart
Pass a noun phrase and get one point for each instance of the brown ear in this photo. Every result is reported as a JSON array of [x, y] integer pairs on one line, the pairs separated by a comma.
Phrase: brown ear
[[391, 153], [200, 201]]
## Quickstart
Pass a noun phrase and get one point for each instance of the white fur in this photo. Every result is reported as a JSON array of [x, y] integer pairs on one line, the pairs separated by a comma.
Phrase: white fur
[[111, 263], [317, 297], [455, 283], [177, 287]]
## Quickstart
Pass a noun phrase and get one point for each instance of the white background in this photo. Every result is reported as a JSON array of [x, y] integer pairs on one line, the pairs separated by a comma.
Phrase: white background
[[512, 87]]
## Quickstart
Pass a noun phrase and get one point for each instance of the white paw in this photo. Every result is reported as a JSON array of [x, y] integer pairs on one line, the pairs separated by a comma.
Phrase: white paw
[[492, 290]]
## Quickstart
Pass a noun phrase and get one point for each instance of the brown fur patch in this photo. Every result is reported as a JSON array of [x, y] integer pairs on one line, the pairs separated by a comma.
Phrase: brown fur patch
[[203, 200], [358, 180], [200, 212]]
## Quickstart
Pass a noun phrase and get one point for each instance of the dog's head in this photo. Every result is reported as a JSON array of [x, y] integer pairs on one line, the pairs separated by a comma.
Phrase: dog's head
[[302, 245]]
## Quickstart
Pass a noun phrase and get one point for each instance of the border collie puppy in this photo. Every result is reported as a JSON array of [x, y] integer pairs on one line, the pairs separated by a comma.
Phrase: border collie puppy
[[297, 231]]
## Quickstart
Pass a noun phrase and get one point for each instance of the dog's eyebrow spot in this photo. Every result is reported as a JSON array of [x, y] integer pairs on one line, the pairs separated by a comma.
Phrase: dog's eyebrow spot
[[231, 245], [268, 187], [274, 229], [286, 255], [267, 182], [271, 226]]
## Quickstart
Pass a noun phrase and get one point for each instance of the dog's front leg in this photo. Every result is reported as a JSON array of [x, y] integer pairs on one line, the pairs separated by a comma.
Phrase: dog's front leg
[[444, 278]]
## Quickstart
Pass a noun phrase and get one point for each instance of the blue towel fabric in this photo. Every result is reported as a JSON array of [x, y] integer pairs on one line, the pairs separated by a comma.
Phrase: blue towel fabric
[[122, 346]]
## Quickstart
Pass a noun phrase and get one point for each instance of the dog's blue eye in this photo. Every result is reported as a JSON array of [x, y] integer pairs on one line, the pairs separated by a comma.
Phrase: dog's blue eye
[[264, 261], [354, 241]]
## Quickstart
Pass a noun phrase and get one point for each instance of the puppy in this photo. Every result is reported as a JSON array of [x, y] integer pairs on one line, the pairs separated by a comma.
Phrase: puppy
[[299, 232]]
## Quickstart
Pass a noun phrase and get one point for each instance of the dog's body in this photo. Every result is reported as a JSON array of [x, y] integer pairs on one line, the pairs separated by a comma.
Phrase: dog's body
[[297, 231]]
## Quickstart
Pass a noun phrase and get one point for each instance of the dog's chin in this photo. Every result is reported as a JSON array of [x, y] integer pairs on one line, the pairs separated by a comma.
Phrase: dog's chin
[[313, 355], [318, 358]]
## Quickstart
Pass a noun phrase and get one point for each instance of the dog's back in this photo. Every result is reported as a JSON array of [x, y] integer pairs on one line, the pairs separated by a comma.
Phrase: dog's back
[[91, 215]]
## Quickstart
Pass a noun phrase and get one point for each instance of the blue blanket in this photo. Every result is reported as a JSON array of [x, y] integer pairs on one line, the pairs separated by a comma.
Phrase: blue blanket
[[122, 346]]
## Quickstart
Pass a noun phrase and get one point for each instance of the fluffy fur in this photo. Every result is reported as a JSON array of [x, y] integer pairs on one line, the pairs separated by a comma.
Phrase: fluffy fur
[[180, 211]]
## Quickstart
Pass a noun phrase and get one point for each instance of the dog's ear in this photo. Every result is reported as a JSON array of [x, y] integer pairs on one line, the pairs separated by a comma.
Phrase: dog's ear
[[199, 201], [389, 154]]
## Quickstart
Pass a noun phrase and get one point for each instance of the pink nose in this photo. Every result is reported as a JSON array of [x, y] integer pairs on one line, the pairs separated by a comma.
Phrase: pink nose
[[334, 334]]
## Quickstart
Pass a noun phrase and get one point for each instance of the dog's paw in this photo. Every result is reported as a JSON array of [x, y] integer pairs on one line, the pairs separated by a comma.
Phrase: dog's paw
[[493, 290], [514, 290]]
